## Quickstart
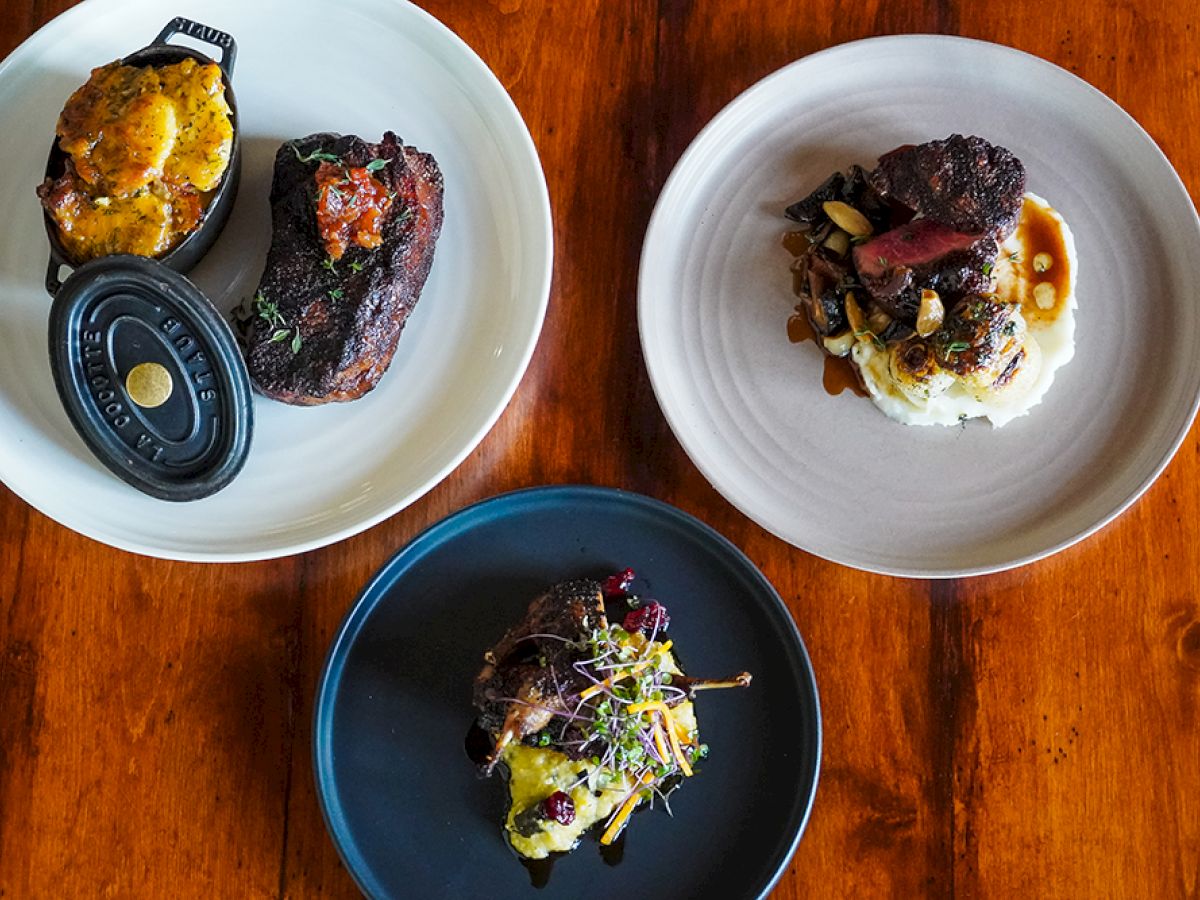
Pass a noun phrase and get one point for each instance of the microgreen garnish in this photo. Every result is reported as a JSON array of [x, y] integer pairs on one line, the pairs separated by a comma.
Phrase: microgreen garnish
[[356, 267], [376, 164], [987, 268], [317, 155], [882, 260], [957, 346], [337, 294], [1014, 257], [622, 720], [329, 265]]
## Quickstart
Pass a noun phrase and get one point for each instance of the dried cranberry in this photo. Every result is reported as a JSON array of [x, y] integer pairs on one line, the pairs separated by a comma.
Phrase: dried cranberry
[[559, 807], [651, 617], [617, 585]]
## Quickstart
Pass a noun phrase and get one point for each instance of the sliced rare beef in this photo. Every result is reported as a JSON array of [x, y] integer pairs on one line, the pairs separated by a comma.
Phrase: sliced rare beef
[[897, 265]]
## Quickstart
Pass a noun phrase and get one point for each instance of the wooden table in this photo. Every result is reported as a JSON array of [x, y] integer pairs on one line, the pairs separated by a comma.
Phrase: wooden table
[[1033, 734]]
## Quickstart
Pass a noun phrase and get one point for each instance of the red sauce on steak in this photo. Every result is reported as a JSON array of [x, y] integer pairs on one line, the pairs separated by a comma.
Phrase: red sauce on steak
[[351, 205]]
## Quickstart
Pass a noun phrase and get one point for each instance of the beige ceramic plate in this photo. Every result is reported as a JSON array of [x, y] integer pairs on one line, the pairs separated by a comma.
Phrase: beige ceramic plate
[[314, 475], [831, 474]]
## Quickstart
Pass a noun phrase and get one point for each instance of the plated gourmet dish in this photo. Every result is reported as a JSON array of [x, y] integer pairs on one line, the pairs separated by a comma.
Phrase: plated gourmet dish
[[354, 227], [588, 718], [946, 287], [145, 146]]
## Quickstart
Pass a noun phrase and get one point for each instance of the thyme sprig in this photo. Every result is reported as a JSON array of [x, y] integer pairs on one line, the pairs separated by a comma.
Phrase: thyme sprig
[[268, 311], [317, 155]]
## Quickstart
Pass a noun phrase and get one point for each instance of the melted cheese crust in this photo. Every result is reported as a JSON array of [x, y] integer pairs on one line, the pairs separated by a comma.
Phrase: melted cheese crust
[[143, 142]]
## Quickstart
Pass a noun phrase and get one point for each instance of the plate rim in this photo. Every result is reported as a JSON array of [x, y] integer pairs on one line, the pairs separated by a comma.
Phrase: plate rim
[[540, 279], [656, 369], [460, 520]]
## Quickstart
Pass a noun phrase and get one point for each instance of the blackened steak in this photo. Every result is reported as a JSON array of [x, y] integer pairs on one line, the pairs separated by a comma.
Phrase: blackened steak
[[966, 183], [324, 329]]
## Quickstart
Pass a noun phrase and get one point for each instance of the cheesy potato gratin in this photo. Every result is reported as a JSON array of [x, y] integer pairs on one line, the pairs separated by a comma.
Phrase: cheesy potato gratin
[[144, 144]]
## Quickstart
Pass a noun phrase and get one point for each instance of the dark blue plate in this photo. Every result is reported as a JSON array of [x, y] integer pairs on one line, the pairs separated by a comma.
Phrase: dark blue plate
[[402, 801]]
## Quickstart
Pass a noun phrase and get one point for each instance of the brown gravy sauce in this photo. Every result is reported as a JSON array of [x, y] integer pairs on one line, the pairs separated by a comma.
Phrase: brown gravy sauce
[[839, 375], [799, 328], [795, 242], [1039, 232]]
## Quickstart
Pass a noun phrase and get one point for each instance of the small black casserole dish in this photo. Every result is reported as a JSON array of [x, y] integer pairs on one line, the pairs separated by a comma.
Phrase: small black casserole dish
[[145, 365], [217, 204]]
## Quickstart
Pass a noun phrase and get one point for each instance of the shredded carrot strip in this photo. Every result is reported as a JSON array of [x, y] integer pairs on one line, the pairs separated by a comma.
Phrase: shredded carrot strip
[[659, 742], [663, 710], [683, 763], [645, 705], [637, 667], [614, 827]]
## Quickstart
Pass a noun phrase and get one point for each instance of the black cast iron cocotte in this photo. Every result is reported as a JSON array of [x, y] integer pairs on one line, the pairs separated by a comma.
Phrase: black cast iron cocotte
[[147, 368], [184, 256]]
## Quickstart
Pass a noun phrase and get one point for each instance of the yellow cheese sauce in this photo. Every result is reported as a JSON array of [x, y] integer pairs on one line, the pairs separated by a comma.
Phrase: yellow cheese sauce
[[535, 773], [143, 143]]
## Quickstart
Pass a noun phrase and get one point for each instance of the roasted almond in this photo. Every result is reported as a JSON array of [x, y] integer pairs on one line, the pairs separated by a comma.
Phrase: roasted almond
[[847, 218], [930, 313]]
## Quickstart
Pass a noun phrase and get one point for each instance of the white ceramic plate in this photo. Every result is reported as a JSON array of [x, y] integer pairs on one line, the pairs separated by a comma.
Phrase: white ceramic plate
[[831, 474], [316, 475]]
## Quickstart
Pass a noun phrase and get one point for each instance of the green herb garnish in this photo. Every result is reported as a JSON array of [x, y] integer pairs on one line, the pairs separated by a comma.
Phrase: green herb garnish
[[268, 311], [317, 155], [376, 164], [875, 339], [957, 346]]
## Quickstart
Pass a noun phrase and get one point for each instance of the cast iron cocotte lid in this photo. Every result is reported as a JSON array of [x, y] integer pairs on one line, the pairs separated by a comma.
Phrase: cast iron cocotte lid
[[151, 377]]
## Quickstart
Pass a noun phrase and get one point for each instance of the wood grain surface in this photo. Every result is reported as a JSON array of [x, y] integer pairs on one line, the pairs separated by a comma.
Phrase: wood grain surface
[[1029, 734]]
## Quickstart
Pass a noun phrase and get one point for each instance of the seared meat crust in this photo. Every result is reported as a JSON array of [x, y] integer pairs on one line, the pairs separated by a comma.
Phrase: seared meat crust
[[967, 183], [348, 316], [527, 672]]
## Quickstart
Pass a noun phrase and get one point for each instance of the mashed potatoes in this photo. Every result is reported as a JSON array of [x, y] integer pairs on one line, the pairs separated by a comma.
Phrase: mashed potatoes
[[1035, 271]]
